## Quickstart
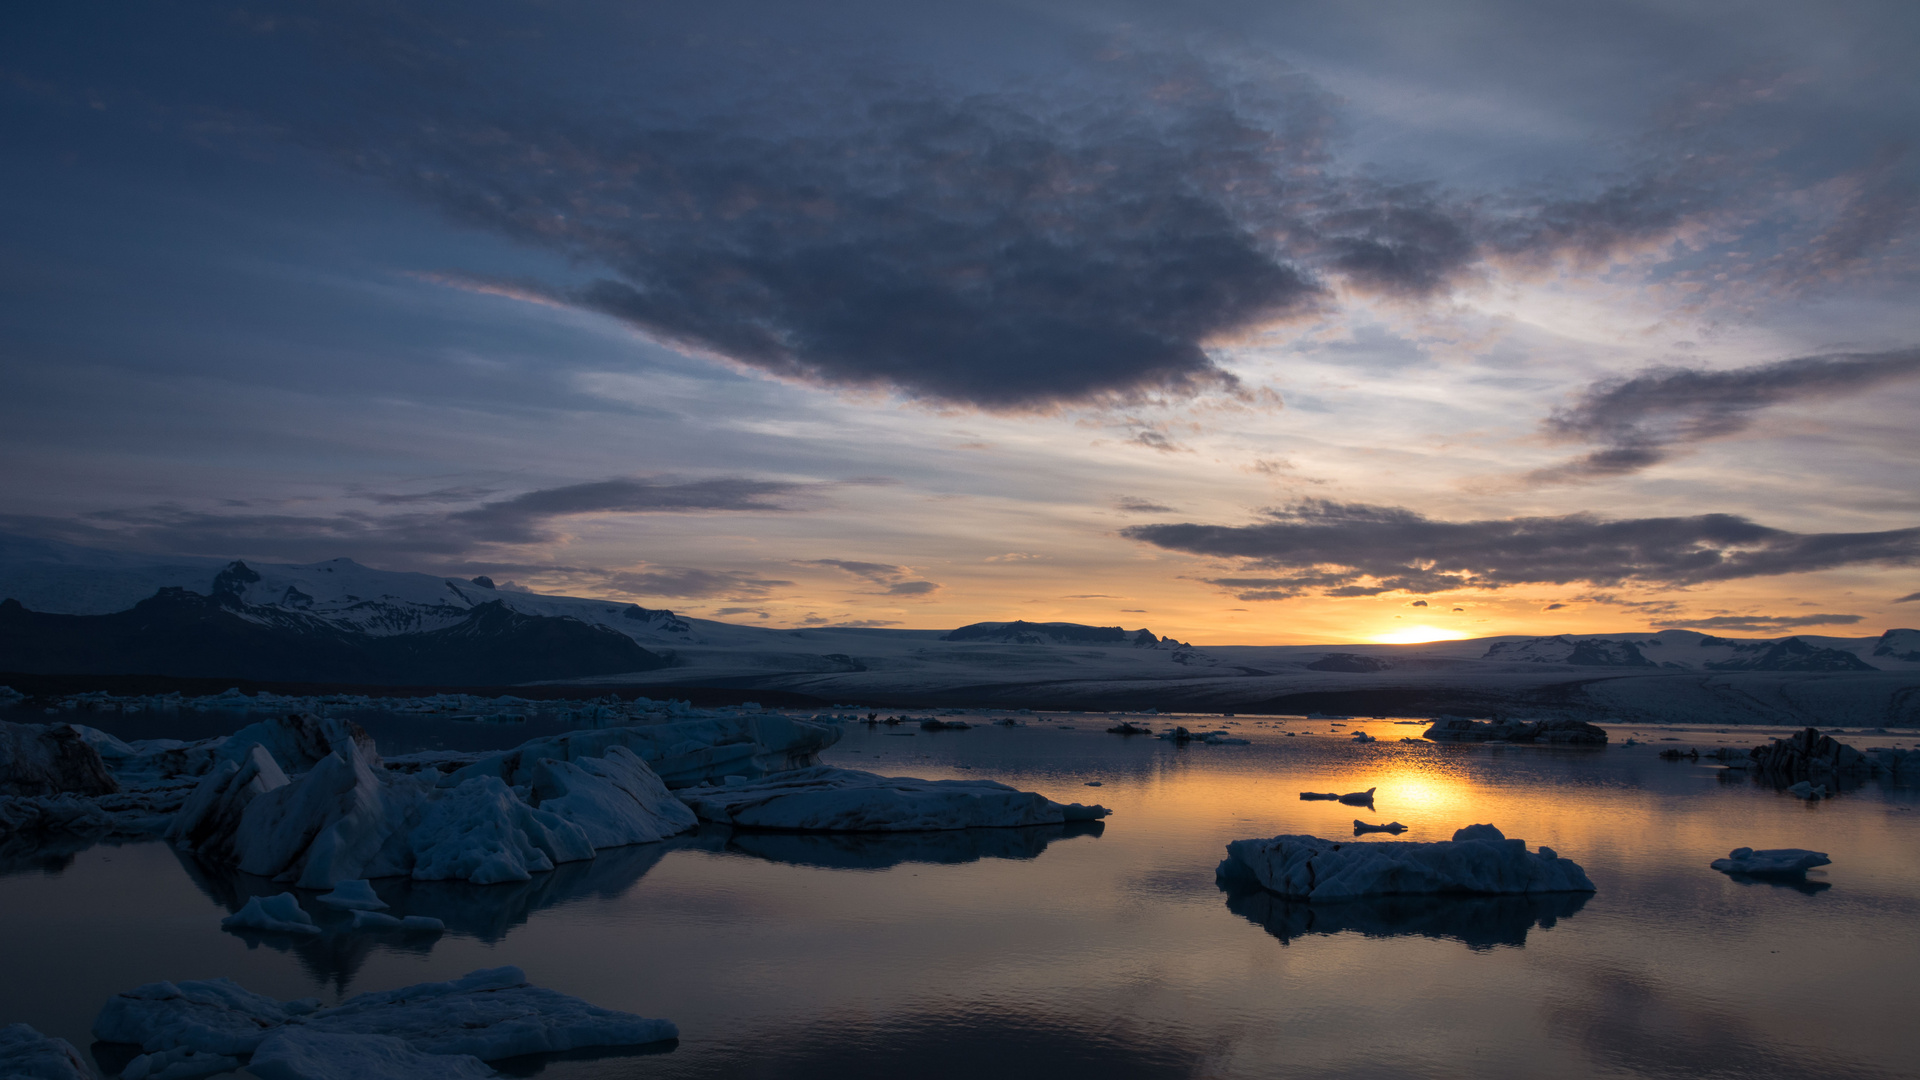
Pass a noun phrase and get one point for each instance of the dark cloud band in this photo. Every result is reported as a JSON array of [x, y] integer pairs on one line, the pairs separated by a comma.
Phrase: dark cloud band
[[1360, 550]]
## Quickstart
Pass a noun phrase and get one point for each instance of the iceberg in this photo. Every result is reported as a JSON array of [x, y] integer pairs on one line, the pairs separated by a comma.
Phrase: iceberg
[[50, 759], [279, 914], [210, 817], [481, 832], [1772, 862], [180, 1064], [846, 800], [1361, 827], [296, 1054], [28, 1055], [615, 800], [1359, 798], [681, 754], [353, 896], [488, 1015], [1476, 861]]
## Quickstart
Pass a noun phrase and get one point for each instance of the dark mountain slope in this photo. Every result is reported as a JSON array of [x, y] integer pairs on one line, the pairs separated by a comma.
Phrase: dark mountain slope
[[181, 633]]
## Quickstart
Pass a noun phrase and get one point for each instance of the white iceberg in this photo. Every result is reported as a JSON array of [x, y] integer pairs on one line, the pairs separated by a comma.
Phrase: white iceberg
[[279, 914], [1309, 868], [681, 754], [847, 800], [615, 800], [1772, 862], [481, 832], [353, 896], [26, 1054], [299, 1054], [488, 1014], [177, 1064], [210, 817]]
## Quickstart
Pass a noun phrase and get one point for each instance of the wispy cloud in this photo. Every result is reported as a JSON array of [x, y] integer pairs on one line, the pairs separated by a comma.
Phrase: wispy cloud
[[1128, 504], [1638, 420], [1757, 622], [694, 583], [894, 580], [1359, 550]]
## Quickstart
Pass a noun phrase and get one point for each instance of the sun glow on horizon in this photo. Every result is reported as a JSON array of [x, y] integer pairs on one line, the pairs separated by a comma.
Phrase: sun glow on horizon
[[1414, 635]]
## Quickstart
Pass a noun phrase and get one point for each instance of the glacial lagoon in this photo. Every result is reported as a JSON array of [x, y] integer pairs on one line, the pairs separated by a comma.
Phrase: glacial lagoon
[[1107, 948]]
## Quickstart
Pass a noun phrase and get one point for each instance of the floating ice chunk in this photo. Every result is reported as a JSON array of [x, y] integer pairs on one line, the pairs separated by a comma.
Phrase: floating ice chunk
[[210, 817], [28, 1055], [177, 1064], [1772, 862], [682, 754], [615, 800], [1363, 737], [481, 832], [212, 1016], [1359, 798], [279, 914], [1318, 796], [329, 825], [298, 1054], [422, 924], [1809, 791], [489, 1014], [375, 920], [355, 895], [1309, 868], [846, 800], [1479, 832], [1361, 827]]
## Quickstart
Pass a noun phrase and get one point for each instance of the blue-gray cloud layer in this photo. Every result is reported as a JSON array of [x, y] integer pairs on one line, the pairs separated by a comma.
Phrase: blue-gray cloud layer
[[1358, 550], [1641, 418]]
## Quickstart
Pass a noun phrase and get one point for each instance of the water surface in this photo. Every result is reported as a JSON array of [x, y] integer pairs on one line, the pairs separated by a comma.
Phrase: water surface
[[1110, 950]]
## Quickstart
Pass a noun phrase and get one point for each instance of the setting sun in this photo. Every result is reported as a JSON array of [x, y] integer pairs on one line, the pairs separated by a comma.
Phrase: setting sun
[[1414, 635]]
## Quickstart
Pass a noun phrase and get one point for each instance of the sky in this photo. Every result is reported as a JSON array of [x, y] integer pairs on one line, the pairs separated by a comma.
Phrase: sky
[[1246, 322]]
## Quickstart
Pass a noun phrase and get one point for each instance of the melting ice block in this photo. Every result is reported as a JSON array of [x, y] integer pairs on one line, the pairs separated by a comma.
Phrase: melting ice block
[[1773, 862], [298, 1054], [29, 1055], [1309, 868], [615, 799], [279, 914], [488, 1014], [847, 800], [353, 896]]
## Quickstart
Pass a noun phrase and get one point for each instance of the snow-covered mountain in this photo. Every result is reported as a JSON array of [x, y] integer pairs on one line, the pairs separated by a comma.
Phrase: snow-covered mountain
[[429, 621]]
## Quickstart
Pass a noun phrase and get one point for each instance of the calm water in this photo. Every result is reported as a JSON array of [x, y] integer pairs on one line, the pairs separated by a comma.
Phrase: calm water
[[1110, 951]]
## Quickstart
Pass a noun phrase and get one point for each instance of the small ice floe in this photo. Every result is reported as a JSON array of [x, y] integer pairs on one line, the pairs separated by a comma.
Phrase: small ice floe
[[1361, 828], [1182, 737], [1558, 731], [1359, 798], [1092, 783], [1809, 791], [353, 896], [1631, 742], [295, 1054], [1319, 796], [933, 723], [1773, 862], [411, 924], [1363, 737], [279, 914], [1127, 727], [1477, 860], [487, 1015], [27, 1054], [847, 800]]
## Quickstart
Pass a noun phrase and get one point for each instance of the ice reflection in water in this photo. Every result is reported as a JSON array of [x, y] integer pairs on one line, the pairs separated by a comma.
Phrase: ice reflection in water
[[1114, 953]]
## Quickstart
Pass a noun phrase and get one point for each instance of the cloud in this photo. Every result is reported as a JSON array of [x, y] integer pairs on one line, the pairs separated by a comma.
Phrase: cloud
[[1128, 504], [525, 518], [1553, 607], [443, 495], [1418, 603], [1349, 549], [694, 583], [1757, 622], [529, 518], [1909, 598], [755, 612], [1638, 419], [879, 574], [1089, 238]]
